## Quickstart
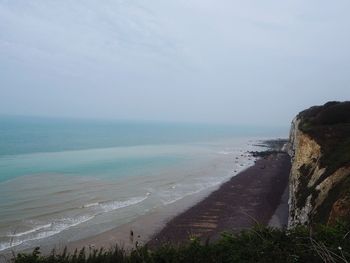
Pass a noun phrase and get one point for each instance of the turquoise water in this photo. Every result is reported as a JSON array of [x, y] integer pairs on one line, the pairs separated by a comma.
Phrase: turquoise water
[[20, 135], [61, 179], [107, 162]]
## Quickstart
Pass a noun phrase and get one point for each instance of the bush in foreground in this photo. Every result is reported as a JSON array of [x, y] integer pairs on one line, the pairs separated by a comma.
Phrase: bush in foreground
[[259, 244]]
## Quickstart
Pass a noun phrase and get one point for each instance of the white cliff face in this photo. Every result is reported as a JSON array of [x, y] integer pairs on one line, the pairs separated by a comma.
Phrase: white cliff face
[[304, 151], [308, 189]]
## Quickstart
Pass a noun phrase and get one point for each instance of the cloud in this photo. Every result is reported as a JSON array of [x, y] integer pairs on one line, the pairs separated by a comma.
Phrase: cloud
[[194, 60]]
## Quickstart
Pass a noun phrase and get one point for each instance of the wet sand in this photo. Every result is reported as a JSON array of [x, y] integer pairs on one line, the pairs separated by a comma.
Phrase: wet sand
[[250, 197]]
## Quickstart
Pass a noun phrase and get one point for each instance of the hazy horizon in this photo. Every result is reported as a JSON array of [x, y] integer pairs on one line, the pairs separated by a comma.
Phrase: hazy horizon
[[225, 62], [139, 120]]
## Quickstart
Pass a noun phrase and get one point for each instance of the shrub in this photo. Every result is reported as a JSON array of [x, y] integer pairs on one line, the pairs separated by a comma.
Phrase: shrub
[[258, 244]]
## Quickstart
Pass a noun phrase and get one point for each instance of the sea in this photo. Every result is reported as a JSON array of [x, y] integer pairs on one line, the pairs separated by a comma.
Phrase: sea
[[63, 180]]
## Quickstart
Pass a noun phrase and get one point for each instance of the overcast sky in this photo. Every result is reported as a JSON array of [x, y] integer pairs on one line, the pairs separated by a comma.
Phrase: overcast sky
[[250, 62]]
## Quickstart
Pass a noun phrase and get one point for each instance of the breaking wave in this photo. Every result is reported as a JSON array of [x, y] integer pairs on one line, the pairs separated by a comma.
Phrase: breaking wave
[[59, 225]]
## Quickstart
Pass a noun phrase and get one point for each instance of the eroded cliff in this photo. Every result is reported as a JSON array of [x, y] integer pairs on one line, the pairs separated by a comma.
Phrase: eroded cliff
[[320, 175]]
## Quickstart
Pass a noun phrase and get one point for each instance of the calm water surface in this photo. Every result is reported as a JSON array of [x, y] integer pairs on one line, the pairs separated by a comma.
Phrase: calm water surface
[[63, 180]]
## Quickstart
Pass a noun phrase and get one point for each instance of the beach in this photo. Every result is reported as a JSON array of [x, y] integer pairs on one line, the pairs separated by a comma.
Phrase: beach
[[256, 195], [249, 198], [53, 195], [84, 194]]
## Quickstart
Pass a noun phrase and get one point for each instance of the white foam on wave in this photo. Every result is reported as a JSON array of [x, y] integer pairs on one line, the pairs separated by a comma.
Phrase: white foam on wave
[[90, 205], [37, 228], [7, 245], [199, 187], [179, 192], [34, 234], [225, 152], [114, 205], [59, 225]]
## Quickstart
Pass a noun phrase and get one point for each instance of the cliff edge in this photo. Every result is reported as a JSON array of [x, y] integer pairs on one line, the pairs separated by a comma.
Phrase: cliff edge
[[320, 176]]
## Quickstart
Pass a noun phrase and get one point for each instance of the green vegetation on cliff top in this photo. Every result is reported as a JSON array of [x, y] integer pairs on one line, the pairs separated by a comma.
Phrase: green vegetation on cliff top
[[329, 126]]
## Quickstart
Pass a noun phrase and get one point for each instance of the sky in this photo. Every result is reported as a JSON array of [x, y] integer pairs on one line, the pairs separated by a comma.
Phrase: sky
[[222, 61]]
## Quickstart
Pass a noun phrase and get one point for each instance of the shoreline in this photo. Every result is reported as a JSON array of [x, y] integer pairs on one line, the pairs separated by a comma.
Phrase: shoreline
[[253, 196], [144, 227], [201, 169], [163, 225], [263, 196]]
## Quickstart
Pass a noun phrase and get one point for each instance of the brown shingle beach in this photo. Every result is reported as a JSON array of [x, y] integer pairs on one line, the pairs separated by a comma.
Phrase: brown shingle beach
[[250, 197]]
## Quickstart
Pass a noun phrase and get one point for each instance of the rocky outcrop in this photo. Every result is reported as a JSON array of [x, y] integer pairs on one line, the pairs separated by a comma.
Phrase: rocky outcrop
[[320, 176]]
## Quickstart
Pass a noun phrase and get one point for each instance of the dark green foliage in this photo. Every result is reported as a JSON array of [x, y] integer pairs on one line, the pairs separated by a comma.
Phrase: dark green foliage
[[259, 244], [328, 114], [329, 126]]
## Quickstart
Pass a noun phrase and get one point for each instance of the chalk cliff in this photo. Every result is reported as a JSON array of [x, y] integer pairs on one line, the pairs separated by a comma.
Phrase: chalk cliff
[[320, 176]]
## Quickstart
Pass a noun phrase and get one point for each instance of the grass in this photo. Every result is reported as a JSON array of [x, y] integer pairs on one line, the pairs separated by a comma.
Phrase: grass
[[258, 244]]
